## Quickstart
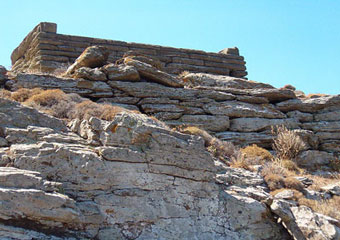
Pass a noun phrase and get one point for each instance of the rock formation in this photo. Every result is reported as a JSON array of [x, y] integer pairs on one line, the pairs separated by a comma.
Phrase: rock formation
[[135, 176]]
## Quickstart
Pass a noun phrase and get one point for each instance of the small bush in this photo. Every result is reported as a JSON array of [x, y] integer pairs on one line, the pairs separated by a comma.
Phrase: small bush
[[290, 165], [274, 168], [274, 181], [48, 98], [256, 154], [287, 143]]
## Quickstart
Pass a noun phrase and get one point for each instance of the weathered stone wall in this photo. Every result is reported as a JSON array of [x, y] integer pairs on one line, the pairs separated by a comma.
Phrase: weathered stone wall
[[45, 50]]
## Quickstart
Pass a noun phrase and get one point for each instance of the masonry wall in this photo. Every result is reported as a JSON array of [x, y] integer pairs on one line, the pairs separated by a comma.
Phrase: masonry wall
[[45, 50]]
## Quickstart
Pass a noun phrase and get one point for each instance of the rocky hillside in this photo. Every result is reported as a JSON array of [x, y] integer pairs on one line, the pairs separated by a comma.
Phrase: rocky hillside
[[126, 150]]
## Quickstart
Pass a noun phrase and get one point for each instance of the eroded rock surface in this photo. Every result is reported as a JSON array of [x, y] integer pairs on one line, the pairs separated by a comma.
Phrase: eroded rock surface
[[131, 178]]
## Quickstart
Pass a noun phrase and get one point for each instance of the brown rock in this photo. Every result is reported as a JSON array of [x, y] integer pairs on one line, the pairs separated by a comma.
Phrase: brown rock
[[121, 73], [94, 56], [146, 59], [153, 74], [93, 74]]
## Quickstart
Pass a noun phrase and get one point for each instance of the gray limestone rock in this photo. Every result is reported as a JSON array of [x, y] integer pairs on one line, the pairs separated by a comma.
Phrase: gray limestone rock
[[240, 109], [314, 158], [260, 124]]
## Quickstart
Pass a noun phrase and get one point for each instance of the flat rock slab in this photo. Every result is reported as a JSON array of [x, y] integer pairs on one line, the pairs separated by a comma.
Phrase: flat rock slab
[[155, 90], [241, 109], [310, 105], [247, 138], [206, 122], [205, 79], [260, 124], [322, 126]]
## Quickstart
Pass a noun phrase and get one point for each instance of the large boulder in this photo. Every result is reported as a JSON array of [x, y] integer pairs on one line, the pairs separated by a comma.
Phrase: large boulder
[[92, 57], [93, 74], [121, 73], [153, 74]]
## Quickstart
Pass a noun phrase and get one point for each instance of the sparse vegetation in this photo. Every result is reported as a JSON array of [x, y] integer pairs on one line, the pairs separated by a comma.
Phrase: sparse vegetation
[[287, 143], [22, 94], [61, 105]]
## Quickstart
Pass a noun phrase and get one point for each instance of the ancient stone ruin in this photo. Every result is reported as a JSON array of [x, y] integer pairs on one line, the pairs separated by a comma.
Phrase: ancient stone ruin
[[135, 176], [45, 50]]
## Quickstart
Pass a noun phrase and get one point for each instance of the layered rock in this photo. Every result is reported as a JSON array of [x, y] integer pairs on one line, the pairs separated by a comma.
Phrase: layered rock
[[223, 105], [131, 178]]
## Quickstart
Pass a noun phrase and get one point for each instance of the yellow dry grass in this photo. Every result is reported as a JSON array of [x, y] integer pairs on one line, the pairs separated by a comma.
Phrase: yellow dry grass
[[256, 154]]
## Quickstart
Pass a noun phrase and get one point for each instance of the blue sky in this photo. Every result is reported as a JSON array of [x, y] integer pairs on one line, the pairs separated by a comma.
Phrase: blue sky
[[283, 41]]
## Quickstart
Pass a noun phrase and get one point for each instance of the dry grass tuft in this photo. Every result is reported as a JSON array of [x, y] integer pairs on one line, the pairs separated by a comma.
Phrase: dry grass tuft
[[290, 165], [66, 106], [287, 143], [256, 154], [293, 183], [274, 181], [22, 94], [5, 94]]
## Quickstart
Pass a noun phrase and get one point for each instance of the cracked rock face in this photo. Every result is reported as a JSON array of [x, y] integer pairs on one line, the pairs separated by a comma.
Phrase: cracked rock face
[[131, 178]]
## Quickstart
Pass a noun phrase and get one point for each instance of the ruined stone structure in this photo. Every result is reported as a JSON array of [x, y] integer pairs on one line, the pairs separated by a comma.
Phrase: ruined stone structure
[[233, 109], [134, 177], [45, 50]]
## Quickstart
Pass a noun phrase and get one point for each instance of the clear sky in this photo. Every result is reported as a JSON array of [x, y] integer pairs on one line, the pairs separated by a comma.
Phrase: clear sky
[[283, 41]]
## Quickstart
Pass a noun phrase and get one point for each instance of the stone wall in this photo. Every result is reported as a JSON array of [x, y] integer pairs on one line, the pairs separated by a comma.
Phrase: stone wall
[[45, 50]]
